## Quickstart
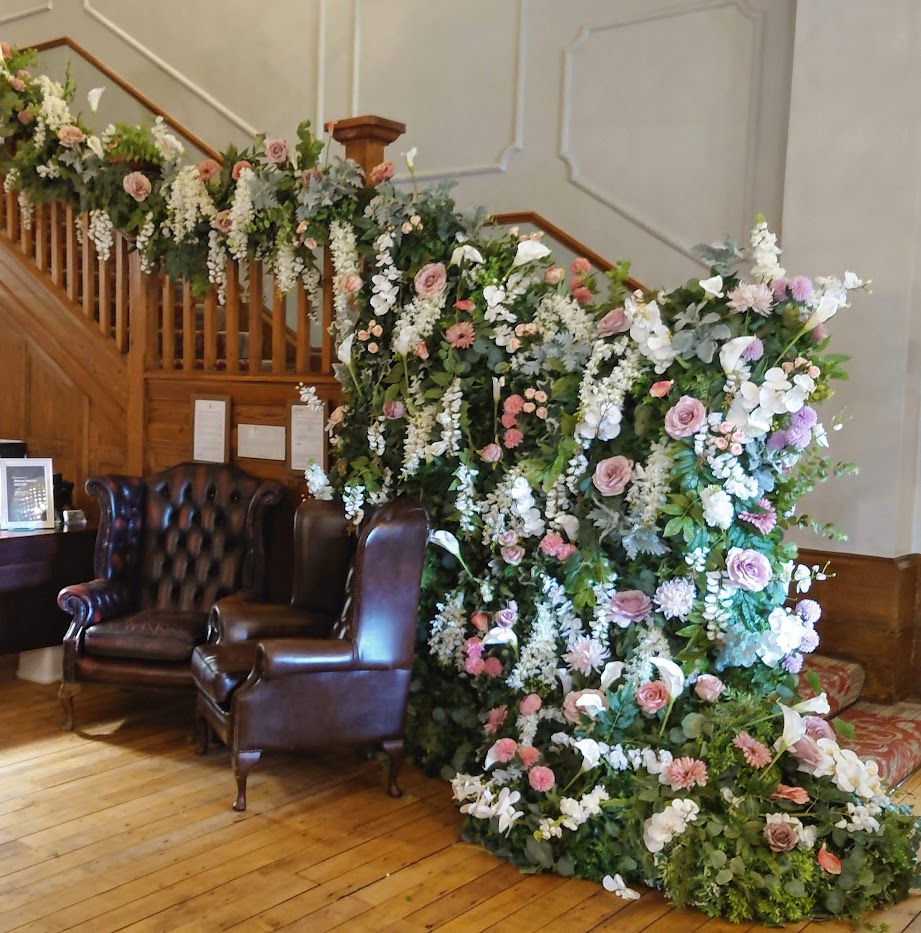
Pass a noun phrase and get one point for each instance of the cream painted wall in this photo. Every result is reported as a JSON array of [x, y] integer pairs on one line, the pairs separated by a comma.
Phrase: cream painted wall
[[641, 126]]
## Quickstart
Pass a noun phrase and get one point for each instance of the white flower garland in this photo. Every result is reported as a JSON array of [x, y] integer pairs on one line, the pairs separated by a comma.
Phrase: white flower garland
[[187, 204], [448, 631], [217, 265], [242, 214], [101, 233]]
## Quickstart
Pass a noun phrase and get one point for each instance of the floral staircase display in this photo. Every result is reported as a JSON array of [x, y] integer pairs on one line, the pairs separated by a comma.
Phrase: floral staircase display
[[607, 653], [889, 735]]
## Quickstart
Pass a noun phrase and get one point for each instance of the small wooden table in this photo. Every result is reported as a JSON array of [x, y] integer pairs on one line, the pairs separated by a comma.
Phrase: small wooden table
[[34, 567]]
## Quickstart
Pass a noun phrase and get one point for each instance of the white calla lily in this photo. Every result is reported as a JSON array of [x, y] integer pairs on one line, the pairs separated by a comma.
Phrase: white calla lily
[[93, 96], [411, 157], [530, 251], [793, 728], [444, 539], [713, 287], [591, 753], [671, 675], [465, 253], [818, 704], [590, 704], [565, 679], [344, 352], [731, 354], [612, 671], [498, 384], [500, 635], [94, 144]]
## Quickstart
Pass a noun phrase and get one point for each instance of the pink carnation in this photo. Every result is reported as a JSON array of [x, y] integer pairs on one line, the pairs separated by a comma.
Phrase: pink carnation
[[551, 543], [686, 772], [565, 552], [381, 172], [474, 648], [528, 755], [495, 719], [580, 266], [541, 779], [492, 667], [582, 294], [513, 405], [754, 752], [509, 420], [530, 704], [503, 750], [208, 170], [652, 696], [512, 438], [685, 418], [474, 666]]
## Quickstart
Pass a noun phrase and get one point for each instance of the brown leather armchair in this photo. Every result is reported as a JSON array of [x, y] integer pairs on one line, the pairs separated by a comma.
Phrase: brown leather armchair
[[333, 666], [168, 546]]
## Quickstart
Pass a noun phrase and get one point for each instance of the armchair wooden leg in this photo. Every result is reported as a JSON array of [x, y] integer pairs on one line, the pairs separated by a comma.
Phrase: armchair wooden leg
[[243, 763], [393, 749], [203, 731], [66, 695]]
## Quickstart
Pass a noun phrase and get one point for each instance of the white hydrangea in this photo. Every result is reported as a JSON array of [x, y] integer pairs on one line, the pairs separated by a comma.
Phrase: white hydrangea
[[718, 511]]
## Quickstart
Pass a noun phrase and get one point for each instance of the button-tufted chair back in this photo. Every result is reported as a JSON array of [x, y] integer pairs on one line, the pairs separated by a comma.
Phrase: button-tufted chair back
[[195, 536]]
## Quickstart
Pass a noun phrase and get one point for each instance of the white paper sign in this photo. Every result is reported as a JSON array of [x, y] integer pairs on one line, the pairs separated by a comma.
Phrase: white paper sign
[[307, 437], [261, 442], [209, 431]]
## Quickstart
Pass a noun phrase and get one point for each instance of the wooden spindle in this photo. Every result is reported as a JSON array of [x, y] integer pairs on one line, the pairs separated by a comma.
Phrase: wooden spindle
[[2, 204], [87, 264], [26, 234], [302, 345], [41, 236], [121, 293], [255, 317], [57, 247], [168, 323], [12, 215], [71, 260], [326, 346], [142, 358], [232, 318], [105, 296], [279, 331], [188, 327], [210, 328]]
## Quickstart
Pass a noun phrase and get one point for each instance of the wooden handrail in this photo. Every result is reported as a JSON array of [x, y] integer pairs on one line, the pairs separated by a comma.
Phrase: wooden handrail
[[129, 89], [562, 237]]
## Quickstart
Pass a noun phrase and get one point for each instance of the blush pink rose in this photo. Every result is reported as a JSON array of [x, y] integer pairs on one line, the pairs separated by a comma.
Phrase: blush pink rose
[[394, 410], [507, 537], [807, 752], [208, 170], [748, 569], [311, 174], [349, 283], [491, 453], [708, 688], [530, 704], [513, 554], [381, 172], [431, 280], [612, 475], [492, 667], [137, 184], [528, 755], [554, 275], [541, 779], [17, 84], [630, 606], [69, 136], [685, 418], [572, 711], [652, 697], [503, 750], [613, 323], [238, 168], [25, 117], [661, 389], [276, 150], [781, 837]]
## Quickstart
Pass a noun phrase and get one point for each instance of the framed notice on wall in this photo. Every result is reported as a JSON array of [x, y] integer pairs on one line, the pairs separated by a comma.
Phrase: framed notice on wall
[[26, 494], [211, 428], [306, 436]]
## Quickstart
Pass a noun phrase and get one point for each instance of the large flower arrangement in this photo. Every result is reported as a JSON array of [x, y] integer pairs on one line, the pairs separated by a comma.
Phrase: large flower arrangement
[[607, 654]]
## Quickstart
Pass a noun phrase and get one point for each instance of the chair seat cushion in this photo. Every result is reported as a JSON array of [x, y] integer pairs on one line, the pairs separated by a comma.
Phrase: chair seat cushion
[[149, 635], [219, 669]]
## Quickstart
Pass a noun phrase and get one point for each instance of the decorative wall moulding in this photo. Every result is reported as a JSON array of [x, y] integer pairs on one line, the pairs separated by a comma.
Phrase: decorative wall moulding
[[168, 69], [516, 143], [25, 14], [595, 189]]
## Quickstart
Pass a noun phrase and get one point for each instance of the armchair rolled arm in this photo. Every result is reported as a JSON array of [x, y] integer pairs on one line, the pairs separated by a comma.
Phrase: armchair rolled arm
[[94, 602], [242, 617], [284, 657]]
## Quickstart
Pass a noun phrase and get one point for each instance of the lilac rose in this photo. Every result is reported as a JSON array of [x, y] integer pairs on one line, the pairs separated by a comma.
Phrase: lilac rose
[[612, 475], [276, 150], [394, 410], [630, 606], [748, 569], [686, 417]]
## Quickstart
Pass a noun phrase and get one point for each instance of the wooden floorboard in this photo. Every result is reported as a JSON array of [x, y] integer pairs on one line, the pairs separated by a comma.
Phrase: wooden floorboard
[[121, 826]]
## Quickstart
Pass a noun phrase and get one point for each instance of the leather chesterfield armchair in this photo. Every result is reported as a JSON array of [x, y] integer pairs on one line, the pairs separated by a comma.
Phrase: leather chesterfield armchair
[[334, 665], [169, 545]]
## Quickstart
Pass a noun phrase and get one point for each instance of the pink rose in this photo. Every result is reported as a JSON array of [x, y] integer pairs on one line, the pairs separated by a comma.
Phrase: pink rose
[[381, 172], [480, 621], [528, 755], [630, 606], [238, 168], [208, 170], [137, 185], [708, 688], [512, 438], [554, 275], [17, 84], [507, 617], [541, 779], [5, 50], [495, 719], [612, 475], [583, 295], [781, 837], [818, 728], [422, 351], [614, 322], [685, 418], [661, 389], [503, 750], [652, 697], [431, 280], [513, 554], [222, 221], [394, 410], [573, 712], [337, 415], [530, 704], [507, 537], [491, 453], [580, 266], [69, 136], [349, 283], [492, 667], [276, 150], [25, 117], [748, 569]]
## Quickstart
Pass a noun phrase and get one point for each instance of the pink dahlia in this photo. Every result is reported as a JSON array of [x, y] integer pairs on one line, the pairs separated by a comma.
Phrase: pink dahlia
[[686, 772], [754, 752]]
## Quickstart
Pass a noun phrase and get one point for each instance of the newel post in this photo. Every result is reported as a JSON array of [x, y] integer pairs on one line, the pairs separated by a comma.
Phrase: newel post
[[364, 138], [142, 355]]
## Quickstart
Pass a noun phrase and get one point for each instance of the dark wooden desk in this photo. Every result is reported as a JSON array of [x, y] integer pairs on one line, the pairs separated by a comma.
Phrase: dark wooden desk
[[34, 566]]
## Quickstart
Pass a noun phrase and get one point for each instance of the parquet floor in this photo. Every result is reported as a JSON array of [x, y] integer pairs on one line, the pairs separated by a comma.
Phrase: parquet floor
[[122, 827]]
